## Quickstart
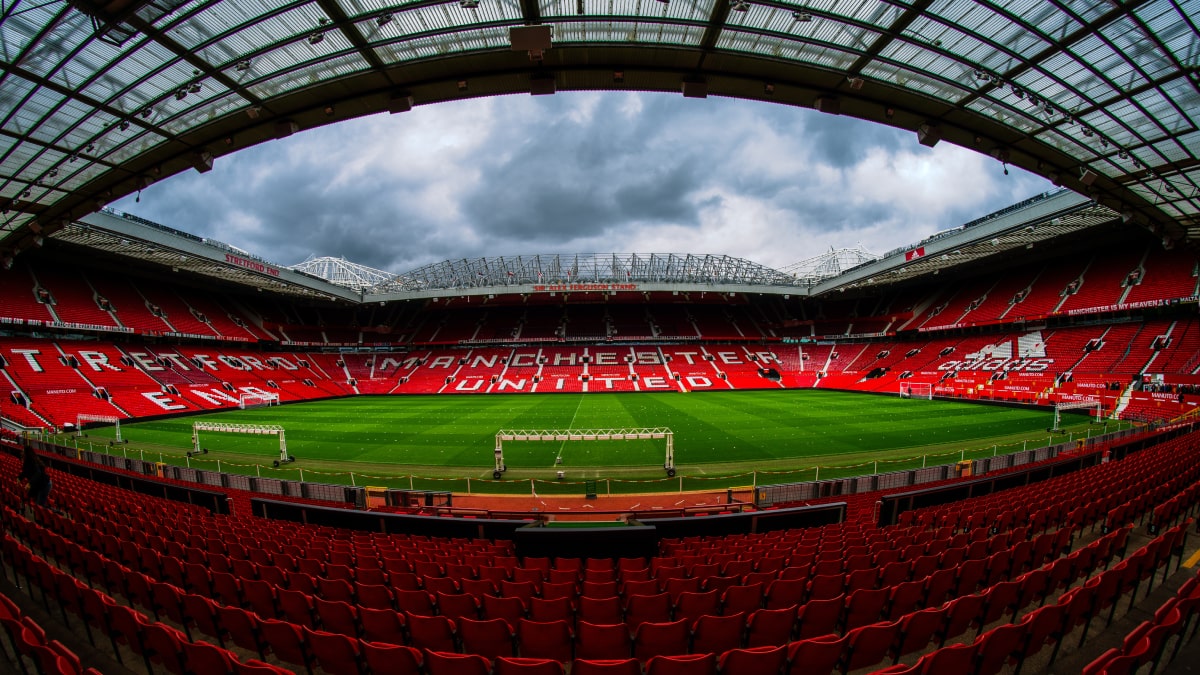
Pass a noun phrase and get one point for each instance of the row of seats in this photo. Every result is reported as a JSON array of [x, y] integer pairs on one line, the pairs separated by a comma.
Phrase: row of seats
[[27, 640], [879, 641], [1147, 642], [147, 513]]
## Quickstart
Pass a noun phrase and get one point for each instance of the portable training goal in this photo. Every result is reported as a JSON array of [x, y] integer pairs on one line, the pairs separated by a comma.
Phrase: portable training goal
[[1088, 404], [249, 400], [916, 390], [255, 429], [108, 419], [560, 435]]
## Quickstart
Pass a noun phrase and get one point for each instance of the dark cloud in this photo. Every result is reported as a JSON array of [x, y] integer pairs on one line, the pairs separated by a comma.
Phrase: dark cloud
[[581, 172]]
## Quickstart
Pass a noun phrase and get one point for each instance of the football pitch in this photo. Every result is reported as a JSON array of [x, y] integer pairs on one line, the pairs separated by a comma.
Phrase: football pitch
[[784, 435]]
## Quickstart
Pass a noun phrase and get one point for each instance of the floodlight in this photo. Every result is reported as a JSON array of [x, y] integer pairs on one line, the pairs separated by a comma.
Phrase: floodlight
[[802, 17], [383, 20], [316, 38]]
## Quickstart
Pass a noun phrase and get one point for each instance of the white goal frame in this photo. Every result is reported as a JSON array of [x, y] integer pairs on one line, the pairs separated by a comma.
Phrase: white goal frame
[[266, 399], [81, 418], [612, 434], [256, 429], [1090, 403], [914, 390]]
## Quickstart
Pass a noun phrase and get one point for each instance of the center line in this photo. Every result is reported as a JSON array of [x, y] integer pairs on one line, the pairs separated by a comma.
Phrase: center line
[[570, 426]]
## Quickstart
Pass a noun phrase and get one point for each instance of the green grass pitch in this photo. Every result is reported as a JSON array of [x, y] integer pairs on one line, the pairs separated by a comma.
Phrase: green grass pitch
[[715, 432]]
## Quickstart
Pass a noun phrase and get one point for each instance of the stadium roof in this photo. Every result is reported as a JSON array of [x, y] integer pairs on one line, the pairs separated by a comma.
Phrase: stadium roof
[[343, 272], [101, 98]]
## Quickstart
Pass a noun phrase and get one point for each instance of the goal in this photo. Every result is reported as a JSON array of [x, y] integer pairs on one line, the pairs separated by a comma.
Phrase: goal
[[559, 435], [916, 390], [248, 400], [82, 419], [1094, 405], [255, 429]]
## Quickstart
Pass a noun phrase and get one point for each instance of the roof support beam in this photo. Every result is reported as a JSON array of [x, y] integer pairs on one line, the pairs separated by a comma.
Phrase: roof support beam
[[531, 11], [881, 43], [716, 24], [334, 11]]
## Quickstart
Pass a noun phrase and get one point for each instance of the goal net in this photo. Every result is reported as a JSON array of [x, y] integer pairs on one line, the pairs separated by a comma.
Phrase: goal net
[[253, 429], [916, 390], [83, 419], [560, 435], [248, 400], [1094, 406]]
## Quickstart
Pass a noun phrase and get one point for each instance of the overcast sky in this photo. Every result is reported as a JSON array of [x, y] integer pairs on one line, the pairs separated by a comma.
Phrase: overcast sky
[[584, 173]]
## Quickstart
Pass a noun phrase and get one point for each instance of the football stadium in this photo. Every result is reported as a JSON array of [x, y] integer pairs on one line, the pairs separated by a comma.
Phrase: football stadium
[[976, 452]]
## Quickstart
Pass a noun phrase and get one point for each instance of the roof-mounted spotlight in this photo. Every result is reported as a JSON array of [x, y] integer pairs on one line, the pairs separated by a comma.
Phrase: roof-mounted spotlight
[[90, 147], [468, 4], [316, 38], [242, 65], [383, 19], [181, 93], [801, 16], [146, 113], [123, 126], [53, 172], [195, 87], [739, 6]]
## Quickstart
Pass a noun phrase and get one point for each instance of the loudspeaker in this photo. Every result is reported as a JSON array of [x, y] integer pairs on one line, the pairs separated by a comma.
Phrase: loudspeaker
[[285, 128], [694, 88], [1088, 177], [542, 84], [529, 38], [401, 101], [828, 104], [929, 133], [202, 162]]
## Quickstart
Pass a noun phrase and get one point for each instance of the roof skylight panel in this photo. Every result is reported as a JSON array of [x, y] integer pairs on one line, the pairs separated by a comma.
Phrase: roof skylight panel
[[793, 50], [308, 75], [1078, 76], [56, 46]]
